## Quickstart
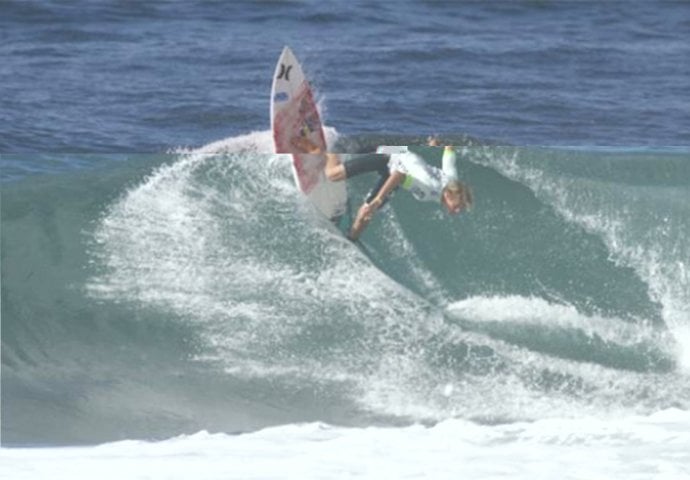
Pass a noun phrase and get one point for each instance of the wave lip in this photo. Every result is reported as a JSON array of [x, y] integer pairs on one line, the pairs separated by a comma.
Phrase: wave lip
[[560, 330]]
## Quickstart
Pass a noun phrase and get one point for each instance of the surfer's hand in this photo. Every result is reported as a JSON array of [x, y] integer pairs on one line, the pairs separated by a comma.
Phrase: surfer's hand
[[368, 209], [364, 213], [363, 218]]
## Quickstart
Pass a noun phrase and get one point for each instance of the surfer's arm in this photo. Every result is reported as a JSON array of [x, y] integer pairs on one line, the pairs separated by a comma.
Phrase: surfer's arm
[[395, 179], [367, 210]]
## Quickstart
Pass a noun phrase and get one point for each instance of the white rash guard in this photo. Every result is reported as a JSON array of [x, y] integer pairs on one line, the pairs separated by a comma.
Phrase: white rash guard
[[423, 181]]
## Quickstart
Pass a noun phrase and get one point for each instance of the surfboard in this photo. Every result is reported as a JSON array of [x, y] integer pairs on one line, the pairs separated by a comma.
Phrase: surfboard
[[294, 114]]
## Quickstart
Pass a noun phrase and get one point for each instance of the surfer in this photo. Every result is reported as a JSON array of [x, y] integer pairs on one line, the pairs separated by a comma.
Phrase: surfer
[[397, 166]]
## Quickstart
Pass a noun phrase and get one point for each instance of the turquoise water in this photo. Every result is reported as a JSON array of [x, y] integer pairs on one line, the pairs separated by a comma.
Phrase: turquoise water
[[203, 285]]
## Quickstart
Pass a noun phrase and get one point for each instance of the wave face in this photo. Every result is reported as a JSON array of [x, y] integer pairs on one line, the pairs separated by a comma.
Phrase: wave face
[[198, 290]]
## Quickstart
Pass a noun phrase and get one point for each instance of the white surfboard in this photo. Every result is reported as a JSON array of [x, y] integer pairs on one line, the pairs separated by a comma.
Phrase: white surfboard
[[293, 115]]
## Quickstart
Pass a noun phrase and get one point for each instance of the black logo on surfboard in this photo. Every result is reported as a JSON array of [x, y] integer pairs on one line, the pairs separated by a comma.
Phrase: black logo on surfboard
[[284, 72]]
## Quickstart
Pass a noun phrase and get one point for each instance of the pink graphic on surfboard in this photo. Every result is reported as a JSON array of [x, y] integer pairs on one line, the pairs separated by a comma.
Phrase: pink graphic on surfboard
[[293, 115], [301, 118]]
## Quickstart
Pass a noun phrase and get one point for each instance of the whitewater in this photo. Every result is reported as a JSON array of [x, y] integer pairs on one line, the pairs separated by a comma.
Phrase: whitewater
[[239, 329]]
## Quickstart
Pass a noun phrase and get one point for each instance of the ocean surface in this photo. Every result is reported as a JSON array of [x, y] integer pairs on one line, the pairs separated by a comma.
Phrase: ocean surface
[[172, 307]]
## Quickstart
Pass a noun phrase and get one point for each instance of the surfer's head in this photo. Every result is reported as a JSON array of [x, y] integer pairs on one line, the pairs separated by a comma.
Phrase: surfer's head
[[456, 197]]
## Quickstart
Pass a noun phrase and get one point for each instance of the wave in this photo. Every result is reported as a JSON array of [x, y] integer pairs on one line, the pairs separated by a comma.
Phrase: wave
[[198, 290]]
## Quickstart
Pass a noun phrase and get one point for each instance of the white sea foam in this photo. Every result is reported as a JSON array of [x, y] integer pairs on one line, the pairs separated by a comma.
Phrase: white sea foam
[[201, 240], [526, 311], [638, 447]]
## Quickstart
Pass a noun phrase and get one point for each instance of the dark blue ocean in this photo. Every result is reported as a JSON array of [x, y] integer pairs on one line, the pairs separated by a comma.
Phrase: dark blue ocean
[[109, 76], [168, 292]]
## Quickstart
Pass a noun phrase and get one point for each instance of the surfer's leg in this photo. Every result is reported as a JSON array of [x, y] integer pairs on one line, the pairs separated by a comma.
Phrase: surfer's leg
[[355, 165], [335, 170], [359, 164]]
